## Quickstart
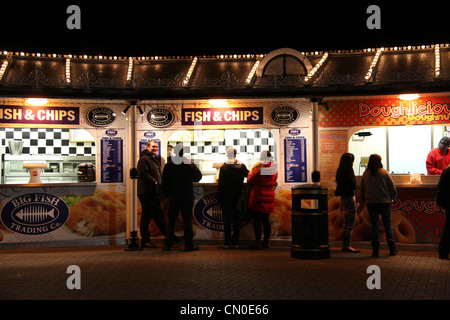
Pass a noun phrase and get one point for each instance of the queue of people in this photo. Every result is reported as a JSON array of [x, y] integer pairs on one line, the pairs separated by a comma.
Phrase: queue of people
[[377, 191], [174, 181]]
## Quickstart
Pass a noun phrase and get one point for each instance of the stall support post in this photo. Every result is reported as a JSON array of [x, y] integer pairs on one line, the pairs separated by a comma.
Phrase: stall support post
[[133, 241], [315, 175]]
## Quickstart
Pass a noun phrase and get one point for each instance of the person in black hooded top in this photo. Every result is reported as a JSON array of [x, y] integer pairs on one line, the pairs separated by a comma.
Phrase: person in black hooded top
[[231, 177], [148, 191], [177, 185]]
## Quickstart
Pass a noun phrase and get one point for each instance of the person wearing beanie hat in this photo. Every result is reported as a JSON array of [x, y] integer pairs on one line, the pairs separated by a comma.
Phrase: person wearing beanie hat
[[438, 158]]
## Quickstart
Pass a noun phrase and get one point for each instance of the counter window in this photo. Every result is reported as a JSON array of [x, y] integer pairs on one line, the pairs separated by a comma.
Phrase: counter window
[[403, 149], [55, 147], [207, 148]]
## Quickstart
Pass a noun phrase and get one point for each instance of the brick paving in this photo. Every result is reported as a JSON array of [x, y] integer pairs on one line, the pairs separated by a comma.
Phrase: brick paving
[[217, 278], [212, 273]]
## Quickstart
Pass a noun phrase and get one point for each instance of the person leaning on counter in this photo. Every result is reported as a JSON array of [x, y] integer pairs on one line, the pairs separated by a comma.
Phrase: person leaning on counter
[[438, 158]]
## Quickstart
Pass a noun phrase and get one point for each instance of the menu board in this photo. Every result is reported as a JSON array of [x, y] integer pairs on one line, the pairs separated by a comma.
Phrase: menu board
[[112, 159], [333, 143], [295, 159]]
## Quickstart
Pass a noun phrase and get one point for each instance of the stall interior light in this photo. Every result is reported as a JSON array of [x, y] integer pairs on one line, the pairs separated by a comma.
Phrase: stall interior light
[[363, 134], [411, 96], [126, 110], [218, 103], [317, 67], [437, 61], [36, 102], [140, 111]]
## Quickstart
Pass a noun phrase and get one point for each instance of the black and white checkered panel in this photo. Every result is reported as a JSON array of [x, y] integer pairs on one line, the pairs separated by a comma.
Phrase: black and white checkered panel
[[40, 141], [249, 141]]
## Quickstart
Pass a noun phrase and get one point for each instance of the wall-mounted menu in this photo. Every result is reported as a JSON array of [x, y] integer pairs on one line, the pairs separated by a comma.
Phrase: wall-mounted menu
[[295, 159], [112, 159]]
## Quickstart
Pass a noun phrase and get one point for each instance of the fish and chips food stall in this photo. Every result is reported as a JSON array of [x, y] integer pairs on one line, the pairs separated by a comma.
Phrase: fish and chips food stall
[[67, 137]]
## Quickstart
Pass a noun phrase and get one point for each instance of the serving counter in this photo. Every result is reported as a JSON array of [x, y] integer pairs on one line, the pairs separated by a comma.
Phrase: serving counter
[[60, 214]]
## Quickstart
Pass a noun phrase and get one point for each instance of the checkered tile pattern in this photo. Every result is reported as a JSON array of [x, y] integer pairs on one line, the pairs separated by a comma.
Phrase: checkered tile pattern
[[245, 141], [39, 141]]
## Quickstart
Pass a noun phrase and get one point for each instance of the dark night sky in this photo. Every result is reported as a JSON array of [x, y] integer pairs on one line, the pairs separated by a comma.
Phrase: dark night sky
[[217, 27]]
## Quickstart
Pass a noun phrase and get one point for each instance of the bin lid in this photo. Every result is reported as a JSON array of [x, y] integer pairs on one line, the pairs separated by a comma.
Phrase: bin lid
[[309, 188]]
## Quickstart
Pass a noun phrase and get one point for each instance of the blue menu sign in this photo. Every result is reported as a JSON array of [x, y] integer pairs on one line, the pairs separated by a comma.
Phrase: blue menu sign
[[295, 159], [112, 159]]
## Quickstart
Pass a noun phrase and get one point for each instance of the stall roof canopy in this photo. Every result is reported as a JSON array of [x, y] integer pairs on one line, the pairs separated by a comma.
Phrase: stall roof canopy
[[283, 72]]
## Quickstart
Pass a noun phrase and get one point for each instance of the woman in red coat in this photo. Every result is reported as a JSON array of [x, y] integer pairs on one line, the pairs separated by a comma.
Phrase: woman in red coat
[[262, 180]]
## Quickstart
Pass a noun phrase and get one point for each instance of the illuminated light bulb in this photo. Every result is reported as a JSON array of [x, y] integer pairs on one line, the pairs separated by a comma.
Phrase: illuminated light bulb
[[190, 71], [37, 101], [411, 96], [316, 67], [437, 61], [252, 72], [68, 70]]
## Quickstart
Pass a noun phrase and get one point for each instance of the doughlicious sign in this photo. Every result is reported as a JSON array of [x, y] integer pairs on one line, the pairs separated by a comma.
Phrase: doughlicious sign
[[39, 115], [382, 112], [219, 116]]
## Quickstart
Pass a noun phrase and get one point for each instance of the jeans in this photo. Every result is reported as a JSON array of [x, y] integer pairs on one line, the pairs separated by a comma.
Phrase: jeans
[[349, 206], [383, 209]]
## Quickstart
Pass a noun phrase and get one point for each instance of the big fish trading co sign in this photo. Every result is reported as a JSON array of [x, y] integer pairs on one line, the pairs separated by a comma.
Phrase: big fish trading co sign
[[221, 116], [39, 115]]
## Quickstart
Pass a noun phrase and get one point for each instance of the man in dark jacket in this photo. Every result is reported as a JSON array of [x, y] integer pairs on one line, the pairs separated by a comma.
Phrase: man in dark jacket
[[443, 200], [177, 179], [231, 177], [148, 191]]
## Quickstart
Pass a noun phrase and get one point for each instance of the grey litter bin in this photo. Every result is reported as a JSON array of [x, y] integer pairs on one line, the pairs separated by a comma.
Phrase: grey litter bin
[[310, 222]]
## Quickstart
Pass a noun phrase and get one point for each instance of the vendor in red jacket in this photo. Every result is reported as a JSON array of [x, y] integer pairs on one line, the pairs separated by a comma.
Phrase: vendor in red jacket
[[262, 181], [438, 158]]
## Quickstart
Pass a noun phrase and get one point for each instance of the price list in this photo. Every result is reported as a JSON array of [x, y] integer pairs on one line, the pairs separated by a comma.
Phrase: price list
[[112, 159], [295, 159]]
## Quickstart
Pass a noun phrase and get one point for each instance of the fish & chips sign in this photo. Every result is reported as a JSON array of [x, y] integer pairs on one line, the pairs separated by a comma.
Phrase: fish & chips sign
[[219, 116], [41, 115]]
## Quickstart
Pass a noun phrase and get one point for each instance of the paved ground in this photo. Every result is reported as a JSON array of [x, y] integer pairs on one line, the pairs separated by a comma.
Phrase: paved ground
[[215, 274]]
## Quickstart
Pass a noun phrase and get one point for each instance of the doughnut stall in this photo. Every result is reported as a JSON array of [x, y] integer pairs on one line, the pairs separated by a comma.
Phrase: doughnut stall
[[402, 129]]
